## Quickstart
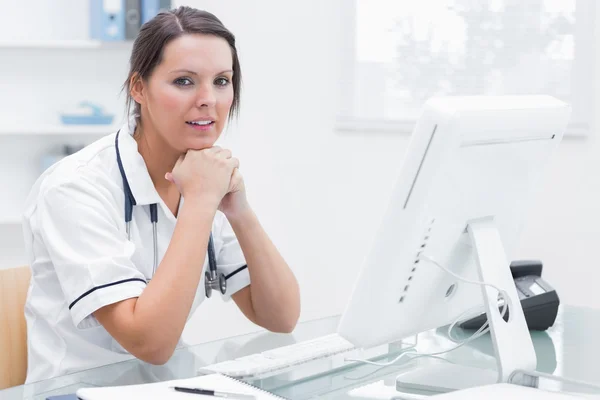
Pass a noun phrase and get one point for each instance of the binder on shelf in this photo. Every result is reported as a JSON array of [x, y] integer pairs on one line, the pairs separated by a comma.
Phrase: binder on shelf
[[152, 7], [107, 20], [133, 18]]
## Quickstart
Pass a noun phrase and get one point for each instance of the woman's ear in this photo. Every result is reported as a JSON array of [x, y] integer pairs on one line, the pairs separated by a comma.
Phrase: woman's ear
[[137, 91]]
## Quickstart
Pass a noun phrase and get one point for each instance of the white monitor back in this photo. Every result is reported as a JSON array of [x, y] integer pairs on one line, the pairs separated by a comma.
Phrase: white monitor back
[[468, 158]]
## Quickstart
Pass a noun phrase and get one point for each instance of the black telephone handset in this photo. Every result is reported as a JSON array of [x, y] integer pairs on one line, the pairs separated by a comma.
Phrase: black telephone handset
[[538, 299]]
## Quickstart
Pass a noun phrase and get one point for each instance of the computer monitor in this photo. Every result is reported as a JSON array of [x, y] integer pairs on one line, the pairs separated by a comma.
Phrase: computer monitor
[[470, 174]]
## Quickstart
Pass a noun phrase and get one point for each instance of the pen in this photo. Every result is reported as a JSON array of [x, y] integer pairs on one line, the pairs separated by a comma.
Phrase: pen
[[207, 392]]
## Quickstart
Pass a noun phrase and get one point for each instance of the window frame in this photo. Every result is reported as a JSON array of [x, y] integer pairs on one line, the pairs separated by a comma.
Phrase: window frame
[[583, 78]]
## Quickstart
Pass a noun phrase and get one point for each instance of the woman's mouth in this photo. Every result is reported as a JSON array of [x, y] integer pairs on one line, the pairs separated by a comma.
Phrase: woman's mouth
[[202, 125]]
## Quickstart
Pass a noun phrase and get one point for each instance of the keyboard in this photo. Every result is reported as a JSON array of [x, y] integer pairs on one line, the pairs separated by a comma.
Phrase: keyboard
[[320, 347], [279, 360]]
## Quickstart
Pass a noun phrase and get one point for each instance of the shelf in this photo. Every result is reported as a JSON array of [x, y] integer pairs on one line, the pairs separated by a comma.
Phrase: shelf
[[64, 44], [43, 130]]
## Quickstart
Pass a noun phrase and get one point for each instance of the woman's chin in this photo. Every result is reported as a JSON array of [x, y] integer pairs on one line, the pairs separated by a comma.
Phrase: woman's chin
[[200, 143]]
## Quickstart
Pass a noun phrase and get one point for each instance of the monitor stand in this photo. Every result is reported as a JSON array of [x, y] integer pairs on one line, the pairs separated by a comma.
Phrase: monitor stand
[[511, 340]]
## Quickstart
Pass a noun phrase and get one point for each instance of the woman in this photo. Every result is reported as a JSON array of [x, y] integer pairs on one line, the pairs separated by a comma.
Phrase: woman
[[101, 288]]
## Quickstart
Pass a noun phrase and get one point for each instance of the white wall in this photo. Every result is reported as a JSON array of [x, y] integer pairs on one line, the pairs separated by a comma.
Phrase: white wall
[[318, 192]]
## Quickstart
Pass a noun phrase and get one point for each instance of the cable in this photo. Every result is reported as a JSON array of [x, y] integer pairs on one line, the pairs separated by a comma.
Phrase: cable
[[476, 311], [480, 332], [417, 355], [431, 260]]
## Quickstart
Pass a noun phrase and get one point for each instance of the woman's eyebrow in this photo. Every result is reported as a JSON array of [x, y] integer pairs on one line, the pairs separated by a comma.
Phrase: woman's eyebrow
[[187, 71]]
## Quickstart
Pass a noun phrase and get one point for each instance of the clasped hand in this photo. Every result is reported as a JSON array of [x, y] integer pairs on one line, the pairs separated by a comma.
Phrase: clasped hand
[[213, 175]]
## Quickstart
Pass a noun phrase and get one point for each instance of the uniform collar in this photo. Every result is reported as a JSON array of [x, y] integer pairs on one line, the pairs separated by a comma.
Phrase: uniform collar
[[139, 180]]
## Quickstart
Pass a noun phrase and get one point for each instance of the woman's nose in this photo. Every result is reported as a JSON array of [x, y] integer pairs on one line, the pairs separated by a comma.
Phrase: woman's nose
[[206, 96]]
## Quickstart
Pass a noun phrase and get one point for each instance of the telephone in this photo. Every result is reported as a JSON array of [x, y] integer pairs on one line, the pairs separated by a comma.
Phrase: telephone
[[539, 300]]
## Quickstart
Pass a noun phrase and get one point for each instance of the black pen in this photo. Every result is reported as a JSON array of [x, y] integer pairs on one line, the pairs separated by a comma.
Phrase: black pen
[[214, 393]]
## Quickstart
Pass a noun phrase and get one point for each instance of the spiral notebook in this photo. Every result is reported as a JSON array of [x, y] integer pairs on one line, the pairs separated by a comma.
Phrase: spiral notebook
[[164, 390]]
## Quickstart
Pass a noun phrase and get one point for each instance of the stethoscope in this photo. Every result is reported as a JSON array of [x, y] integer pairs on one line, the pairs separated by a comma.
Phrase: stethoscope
[[213, 280]]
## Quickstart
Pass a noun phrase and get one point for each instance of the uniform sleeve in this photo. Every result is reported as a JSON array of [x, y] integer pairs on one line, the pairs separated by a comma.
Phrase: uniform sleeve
[[79, 225], [231, 260]]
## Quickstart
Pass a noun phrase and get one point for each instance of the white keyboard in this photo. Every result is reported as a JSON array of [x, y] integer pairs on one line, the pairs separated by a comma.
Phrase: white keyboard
[[320, 347], [282, 358]]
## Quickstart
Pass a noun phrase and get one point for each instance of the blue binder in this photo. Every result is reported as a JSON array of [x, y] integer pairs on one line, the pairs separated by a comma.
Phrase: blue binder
[[107, 20], [133, 18], [152, 7]]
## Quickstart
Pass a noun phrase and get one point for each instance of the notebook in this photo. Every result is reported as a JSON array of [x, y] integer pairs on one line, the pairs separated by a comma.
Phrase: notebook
[[163, 390]]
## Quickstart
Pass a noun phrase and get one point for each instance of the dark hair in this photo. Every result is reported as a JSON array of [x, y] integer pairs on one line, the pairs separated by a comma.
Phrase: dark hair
[[165, 27]]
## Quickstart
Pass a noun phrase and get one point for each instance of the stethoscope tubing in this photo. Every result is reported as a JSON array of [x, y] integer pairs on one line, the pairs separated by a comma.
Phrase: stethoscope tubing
[[130, 202]]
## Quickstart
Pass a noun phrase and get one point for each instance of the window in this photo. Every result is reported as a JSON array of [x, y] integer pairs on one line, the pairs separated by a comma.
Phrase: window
[[398, 54]]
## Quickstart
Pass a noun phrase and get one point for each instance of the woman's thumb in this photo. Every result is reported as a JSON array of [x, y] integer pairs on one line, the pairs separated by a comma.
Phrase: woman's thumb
[[169, 175]]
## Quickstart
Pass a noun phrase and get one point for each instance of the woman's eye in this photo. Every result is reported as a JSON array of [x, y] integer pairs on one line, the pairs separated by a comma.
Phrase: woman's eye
[[222, 81], [183, 82]]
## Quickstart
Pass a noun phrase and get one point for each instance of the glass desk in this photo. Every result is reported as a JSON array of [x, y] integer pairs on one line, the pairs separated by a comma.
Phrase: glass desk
[[569, 349]]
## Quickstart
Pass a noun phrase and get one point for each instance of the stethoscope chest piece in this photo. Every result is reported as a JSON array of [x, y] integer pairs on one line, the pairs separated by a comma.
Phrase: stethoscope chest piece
[[213, 281]]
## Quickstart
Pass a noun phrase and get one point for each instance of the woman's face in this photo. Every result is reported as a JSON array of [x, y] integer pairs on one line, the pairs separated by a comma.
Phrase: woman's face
[[188, 96]]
